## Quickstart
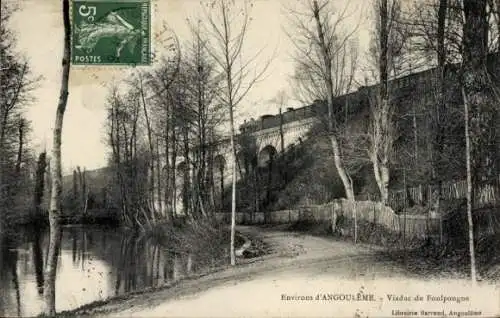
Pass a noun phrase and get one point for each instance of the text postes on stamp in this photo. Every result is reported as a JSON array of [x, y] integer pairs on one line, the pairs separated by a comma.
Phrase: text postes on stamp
[[111, 32]]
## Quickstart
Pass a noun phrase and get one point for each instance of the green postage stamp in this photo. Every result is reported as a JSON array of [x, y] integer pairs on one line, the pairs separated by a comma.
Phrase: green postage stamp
[[111, 32]]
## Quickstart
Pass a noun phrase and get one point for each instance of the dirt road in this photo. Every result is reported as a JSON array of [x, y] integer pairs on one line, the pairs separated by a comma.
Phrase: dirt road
[[309, 276]]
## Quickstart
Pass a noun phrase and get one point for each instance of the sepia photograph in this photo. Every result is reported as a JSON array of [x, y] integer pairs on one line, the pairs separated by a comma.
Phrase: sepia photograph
[[250, 158]]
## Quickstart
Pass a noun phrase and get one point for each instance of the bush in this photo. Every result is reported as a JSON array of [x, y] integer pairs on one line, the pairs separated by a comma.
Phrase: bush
[[200, 237]]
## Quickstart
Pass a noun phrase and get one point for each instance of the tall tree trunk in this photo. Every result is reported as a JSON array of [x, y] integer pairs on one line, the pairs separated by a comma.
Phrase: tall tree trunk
[[173, 176], [158, 176], [228, 70], [381, 173], [348, 188], [469, 189], [186, 184], [49, 183], [337, 158], [3, 184], [282, 134], [478, 89], [151, 153], [221, 171], [440, 106], [202, 160], [212, 185], [168, 203], [477, 107], [20, 147], [55, 204], [381, 139], [233, 189]]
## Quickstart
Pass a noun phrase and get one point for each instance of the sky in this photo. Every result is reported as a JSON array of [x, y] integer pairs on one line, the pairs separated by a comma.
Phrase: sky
[[38, 25]]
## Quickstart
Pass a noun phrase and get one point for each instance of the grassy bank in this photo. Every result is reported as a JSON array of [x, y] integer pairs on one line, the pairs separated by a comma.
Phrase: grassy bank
[[205, 238]]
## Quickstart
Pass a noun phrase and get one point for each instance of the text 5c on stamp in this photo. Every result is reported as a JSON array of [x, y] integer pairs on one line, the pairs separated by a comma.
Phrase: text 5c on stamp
[[111, 32]]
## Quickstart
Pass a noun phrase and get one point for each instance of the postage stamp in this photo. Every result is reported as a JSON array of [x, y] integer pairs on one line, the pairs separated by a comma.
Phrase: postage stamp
[[111, 32]]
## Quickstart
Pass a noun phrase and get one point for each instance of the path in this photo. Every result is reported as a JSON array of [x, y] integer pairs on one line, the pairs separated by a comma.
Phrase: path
[[304, 267]]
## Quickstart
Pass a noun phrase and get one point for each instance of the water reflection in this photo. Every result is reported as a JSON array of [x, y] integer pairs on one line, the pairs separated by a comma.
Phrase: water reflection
[[9, 277], [94, 264], [36, 248]]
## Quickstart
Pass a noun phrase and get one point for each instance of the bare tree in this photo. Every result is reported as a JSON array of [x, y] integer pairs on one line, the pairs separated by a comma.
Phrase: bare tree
[[478, 107], [434, 33], [469, 188], [128, 157], [326, 63], [171, 108], [171, 114], [163, 83], [228, 26], [55, 203], [16, 86], [440, 107], [387, 49], [207, 114], [151, 162]]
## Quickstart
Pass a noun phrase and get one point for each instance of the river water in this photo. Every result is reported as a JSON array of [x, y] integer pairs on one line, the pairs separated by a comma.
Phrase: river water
[[94, 263]]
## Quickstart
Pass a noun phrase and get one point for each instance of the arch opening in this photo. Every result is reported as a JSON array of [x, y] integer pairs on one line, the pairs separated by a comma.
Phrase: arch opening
[[267, 156]]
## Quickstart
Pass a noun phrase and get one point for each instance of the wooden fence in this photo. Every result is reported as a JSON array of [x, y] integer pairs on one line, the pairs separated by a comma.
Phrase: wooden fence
[[431, 224], [488, 195], [412, 226]]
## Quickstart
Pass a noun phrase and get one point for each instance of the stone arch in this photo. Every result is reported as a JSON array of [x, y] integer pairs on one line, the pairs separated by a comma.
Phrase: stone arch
[[266, 167], [267, 156]]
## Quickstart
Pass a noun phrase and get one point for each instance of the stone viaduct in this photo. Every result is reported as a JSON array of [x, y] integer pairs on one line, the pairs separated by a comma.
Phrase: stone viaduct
[[274, 134]]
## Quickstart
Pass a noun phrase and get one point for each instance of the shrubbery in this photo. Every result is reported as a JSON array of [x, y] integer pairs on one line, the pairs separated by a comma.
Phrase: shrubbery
[[205, 238]]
